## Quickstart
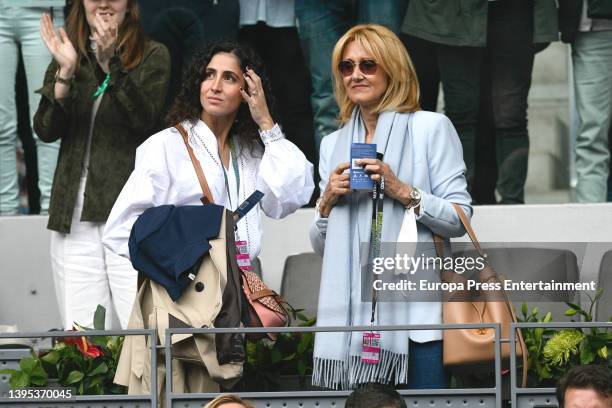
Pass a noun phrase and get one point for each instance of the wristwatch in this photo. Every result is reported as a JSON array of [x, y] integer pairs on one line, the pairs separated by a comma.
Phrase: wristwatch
[[415, 198]]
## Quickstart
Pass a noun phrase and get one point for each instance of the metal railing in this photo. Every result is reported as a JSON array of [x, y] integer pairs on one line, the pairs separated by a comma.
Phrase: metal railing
[[471, 397], [91, 400], [530, 397]]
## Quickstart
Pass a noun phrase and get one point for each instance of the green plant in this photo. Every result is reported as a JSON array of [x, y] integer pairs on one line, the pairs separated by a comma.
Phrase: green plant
[[290, 354], [83, 364], [553, 352], [30, 373]]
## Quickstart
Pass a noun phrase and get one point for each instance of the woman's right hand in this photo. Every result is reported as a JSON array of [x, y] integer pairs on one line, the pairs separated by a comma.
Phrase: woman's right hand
[[61, 48], [337, 186]]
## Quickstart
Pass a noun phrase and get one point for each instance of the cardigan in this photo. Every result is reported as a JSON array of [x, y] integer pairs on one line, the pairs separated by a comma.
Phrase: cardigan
[[128, 114]]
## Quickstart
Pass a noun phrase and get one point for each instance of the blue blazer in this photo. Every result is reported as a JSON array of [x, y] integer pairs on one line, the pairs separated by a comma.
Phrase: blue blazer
[[438, 171]]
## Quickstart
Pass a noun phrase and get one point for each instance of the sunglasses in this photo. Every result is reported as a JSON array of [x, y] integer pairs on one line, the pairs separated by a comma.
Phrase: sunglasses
[[366, 67]]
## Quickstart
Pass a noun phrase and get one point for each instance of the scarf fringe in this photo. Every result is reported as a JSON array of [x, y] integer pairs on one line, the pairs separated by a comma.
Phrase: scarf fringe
[[329, 374], [333, 374]]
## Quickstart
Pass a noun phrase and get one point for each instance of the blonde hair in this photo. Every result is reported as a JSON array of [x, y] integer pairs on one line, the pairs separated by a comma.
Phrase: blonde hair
[[402, 93], [229, 398]]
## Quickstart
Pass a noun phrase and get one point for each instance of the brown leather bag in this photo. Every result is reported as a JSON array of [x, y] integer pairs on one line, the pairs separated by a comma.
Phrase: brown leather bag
[[466, 349]]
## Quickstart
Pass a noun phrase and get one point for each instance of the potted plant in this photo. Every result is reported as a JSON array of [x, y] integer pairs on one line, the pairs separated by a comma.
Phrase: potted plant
[[281, 365], [553, 352], [86, 365]]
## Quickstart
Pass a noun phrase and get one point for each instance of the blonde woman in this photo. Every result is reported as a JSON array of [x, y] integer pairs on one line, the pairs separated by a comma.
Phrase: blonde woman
[[376, 88], [229, 401]]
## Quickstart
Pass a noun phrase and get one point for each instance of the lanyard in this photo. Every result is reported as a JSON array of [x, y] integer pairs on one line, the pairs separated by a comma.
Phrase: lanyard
[[378, 194], [234, 161]]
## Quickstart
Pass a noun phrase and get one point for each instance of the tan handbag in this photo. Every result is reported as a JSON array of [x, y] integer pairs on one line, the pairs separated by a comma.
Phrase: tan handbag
[[468, 349]]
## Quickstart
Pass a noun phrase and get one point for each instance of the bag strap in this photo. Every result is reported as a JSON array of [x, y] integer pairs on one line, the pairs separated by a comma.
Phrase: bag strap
[[439, 243], [207, 198]]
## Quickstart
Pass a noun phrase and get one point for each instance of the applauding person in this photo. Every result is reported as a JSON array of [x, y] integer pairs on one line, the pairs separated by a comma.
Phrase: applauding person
[[102, 96]]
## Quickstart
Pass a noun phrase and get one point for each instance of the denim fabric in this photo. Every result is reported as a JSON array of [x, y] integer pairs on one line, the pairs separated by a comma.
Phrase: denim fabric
[[425, 366], [321, 23], [460, 69], [592, 59], [509, 60], [20, 27], [501, 71]]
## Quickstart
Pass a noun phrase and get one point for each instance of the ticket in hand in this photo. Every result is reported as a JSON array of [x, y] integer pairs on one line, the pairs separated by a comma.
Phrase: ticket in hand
[[359, 179]]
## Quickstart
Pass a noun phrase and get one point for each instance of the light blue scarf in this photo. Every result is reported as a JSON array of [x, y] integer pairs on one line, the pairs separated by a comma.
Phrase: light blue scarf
[[337, 356]]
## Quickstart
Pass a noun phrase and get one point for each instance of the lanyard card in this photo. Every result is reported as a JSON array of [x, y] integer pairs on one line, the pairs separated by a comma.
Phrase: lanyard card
[[359, 179], [370, 348], [242, 255]]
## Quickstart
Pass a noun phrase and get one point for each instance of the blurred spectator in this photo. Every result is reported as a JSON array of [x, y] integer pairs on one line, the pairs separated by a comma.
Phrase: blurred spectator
[[269, 27], [185, 27], [19, 28], [374, 395], [27, 167], [462, 36], [320, 25], [102, 96], [229, 401], [587, 25], [586, 386]]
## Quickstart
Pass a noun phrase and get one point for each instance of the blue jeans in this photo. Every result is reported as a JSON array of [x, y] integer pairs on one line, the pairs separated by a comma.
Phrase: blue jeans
[[592, 58], [425, 366], [320, 24], [20, 27]]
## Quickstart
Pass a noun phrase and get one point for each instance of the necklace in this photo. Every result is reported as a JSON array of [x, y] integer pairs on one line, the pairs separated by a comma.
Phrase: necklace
[[206, 148], [238, 160]]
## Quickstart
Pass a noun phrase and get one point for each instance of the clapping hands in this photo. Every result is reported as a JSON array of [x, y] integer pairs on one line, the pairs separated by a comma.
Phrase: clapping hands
[[60, 47]]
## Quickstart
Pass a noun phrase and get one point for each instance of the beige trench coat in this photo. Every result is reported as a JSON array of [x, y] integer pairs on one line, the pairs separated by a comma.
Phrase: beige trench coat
[[197, 369]]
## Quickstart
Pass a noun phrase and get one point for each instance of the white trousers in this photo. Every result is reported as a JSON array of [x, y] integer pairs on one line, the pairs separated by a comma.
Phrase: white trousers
[[87, 274]]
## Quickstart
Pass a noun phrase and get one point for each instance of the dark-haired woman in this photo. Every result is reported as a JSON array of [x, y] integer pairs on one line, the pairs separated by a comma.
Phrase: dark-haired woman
[[223, 106], [102, 96]]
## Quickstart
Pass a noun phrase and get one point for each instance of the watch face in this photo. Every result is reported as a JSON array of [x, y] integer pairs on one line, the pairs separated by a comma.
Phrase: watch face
[[415, 194]]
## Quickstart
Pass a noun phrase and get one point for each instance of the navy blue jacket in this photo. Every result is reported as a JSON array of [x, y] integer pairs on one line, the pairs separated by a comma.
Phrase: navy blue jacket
[[167, 242]]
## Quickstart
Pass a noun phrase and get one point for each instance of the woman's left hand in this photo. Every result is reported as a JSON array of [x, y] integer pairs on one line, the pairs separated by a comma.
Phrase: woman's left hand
[[394, 187], [256, 99]]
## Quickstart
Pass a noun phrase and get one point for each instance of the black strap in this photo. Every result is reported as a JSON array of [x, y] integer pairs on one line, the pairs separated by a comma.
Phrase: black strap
[[378, 195]]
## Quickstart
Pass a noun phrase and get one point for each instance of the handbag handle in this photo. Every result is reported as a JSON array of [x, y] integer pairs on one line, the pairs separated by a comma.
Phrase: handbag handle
[[439, 243], [207, 198]]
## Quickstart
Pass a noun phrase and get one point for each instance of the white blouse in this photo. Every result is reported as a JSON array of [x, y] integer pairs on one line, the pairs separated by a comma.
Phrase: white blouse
[[164, 174]]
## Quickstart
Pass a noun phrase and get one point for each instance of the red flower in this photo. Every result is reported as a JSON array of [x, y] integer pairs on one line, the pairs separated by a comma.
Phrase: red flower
[[84, 346]]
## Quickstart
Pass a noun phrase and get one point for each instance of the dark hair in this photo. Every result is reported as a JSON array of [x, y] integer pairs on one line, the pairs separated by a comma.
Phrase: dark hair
[[374, 395], [187, 104], [596, 377]]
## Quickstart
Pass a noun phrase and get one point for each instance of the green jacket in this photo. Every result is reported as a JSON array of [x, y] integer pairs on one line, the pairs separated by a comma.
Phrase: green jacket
[[464, 22], [128, 114]]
